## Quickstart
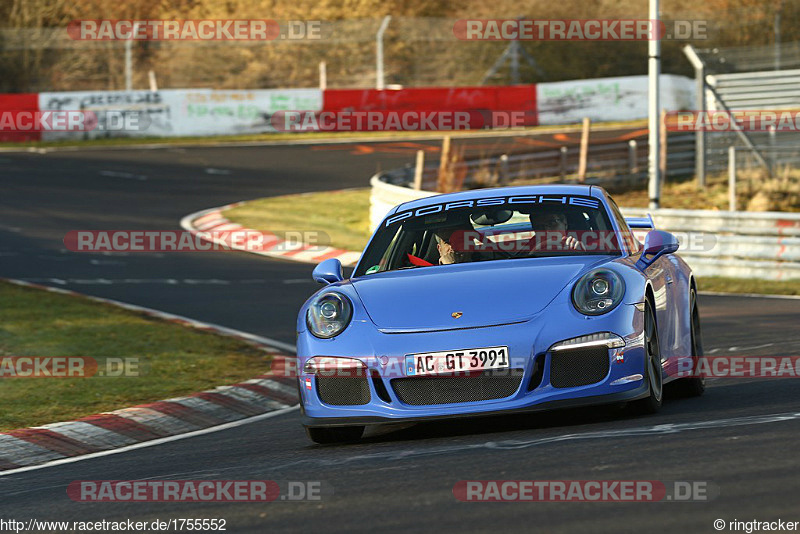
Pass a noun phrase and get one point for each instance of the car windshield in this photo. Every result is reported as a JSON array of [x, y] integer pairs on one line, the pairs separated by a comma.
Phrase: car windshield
[[490, 229]]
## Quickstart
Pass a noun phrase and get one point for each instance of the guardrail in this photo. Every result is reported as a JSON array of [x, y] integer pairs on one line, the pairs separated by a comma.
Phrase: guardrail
[[762, 245]]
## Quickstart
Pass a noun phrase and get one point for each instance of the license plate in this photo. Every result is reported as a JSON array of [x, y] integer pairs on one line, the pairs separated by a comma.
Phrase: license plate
[[456, 361]]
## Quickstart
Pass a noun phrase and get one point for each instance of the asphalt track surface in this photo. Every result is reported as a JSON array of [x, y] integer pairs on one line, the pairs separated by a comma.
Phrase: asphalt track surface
[[740, 437]]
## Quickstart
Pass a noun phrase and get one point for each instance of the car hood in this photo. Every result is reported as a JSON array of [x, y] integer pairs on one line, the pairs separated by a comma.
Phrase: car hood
[[486, 294]]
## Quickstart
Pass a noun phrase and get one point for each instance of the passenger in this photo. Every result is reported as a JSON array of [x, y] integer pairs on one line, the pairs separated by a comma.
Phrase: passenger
[[453, 244]]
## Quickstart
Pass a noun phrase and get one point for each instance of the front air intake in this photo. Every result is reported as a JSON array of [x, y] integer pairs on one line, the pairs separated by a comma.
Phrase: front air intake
[[478, 386], [578, 367], [343, 390]]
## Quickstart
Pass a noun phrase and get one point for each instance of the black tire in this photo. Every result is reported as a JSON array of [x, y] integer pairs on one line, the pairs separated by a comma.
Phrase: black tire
[[694, 386], [652, 367], [335, 434]]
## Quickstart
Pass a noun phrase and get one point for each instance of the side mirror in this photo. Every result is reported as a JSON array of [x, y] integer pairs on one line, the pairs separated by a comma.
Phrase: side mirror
[[656, 244], [328, 272]]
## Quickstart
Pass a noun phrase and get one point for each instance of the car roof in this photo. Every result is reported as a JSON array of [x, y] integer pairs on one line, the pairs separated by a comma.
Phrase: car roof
[[549, 189]]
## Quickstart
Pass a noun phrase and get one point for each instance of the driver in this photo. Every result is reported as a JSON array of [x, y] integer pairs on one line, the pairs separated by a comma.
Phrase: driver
[[551, 226]]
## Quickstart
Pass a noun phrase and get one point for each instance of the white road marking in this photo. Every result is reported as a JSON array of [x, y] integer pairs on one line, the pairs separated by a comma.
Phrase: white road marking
[[166, 281], [152, 443], [127, 175], [754, 347], [670, 428], [106, 262], [222, 172]]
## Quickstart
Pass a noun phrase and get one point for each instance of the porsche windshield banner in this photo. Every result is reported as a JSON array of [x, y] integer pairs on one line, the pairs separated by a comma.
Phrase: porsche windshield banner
[[511, 202]]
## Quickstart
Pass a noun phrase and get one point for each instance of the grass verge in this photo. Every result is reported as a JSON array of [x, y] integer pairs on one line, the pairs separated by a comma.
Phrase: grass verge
[[174, 360], [340, 218], [306, 136], [748, 285], [344, 217]]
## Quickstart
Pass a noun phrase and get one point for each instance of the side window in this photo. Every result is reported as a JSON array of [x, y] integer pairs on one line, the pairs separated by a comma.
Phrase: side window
[[630, 240]]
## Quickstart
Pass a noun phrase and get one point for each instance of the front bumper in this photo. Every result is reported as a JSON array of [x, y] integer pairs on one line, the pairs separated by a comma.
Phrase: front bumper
[[639, 392], [527, 342]]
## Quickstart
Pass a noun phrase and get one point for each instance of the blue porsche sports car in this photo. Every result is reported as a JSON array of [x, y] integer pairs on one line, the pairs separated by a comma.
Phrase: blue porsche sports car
[[496, 301]]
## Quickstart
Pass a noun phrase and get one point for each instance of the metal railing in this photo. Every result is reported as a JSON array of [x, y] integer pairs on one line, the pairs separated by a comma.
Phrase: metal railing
[[773, 89], [737, 79], [608, 164], [752, 58]]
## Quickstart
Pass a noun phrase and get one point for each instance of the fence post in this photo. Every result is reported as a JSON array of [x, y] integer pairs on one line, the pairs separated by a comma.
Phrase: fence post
[[563, 162], [129, 59], [503, 169], [633, 160], [584, 149], [662, 138], [732, 178], [700, 106], [418, 170], [773, 155], [444, 164], [323, 75], [380, 81], [151, 77]]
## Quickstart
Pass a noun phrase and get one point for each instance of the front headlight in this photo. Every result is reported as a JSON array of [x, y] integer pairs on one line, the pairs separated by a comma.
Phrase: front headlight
[[598, 292], [329, 314]]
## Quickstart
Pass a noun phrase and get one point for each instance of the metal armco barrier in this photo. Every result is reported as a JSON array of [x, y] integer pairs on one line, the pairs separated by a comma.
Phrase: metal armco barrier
[[762, 245]]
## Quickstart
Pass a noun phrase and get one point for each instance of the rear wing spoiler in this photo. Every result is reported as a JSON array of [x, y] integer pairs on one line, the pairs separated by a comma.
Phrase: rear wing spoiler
[[641, 223]]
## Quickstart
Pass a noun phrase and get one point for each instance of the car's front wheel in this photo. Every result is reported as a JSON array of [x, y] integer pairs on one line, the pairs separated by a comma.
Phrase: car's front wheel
[[336, 434], [652, 366]]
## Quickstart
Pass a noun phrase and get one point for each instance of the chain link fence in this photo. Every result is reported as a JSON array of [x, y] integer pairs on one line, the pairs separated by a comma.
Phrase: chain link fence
[[419, 52]]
